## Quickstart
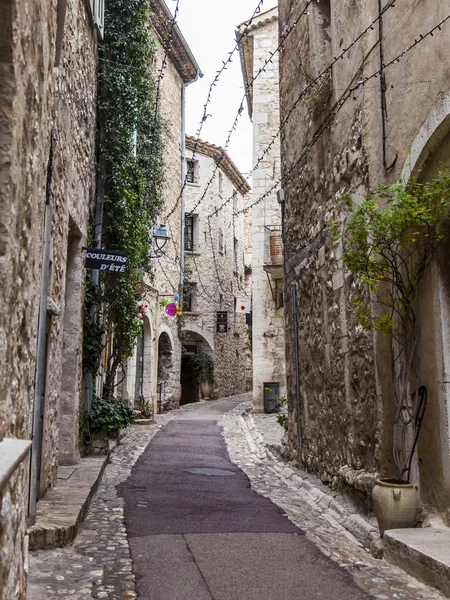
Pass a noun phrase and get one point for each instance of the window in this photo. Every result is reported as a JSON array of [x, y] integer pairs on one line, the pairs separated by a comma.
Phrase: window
[[235, 201], [190, 172], [189, 233], [99, 13], [236, 249], [279, 293], [220, 182], [189, 296], [220, 240]]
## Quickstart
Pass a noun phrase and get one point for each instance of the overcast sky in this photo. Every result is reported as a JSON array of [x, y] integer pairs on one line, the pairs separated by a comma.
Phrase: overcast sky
[[209, 28]]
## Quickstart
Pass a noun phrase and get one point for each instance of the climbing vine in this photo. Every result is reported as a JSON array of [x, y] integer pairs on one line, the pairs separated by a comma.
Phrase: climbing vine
[[130, 134]]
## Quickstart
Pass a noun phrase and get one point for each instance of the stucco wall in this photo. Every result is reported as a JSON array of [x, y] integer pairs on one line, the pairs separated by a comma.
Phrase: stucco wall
[[268, 320], [346, 379]]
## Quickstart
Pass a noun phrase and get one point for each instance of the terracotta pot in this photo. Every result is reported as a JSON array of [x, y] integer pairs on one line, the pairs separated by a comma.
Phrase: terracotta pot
[[206, 390], [276, 248], [395, 504]]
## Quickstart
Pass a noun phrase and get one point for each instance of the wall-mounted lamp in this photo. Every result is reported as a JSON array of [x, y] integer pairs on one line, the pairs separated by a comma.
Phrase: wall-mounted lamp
[[161, 238]]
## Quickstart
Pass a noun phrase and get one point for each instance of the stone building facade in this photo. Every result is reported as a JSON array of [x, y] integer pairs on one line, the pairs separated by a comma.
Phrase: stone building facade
[[336, 143], [266, 257], [214, 269], [154, 371]]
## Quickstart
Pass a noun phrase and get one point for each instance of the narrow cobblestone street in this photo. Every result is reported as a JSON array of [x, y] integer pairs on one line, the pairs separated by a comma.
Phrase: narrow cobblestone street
[[99, 563]]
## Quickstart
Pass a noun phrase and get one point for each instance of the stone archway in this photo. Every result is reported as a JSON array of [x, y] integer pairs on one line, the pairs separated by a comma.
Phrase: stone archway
[[190, 386], [429, 153]]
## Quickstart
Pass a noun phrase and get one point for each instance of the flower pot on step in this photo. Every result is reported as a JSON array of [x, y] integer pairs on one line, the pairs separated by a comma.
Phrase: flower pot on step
[[395, 504]]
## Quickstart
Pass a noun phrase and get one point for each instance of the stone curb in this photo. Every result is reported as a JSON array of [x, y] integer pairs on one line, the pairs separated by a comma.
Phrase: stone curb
[[62, 511], [333, 511]]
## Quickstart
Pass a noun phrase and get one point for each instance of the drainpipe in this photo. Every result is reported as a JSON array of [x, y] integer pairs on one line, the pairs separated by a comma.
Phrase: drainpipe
[[39, 388], [297, 366]]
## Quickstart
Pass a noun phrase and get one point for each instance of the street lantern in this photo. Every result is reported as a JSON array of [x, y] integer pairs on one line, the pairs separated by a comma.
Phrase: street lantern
[[161, 238]]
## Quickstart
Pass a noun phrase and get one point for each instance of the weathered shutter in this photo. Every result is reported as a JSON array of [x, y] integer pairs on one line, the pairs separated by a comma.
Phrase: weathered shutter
[[99, 16]]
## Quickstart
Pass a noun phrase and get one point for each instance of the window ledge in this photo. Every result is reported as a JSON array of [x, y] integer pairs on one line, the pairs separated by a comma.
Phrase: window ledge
[[192, 253], [12, 453], [190, 184]]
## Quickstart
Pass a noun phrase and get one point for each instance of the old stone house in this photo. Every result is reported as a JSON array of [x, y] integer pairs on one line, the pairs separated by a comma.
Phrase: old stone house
[[343, 134], [48, 81], [153, 373], [213, 319], [266, 257]]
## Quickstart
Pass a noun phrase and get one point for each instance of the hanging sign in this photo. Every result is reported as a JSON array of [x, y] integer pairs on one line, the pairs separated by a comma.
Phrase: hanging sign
[[106, 260], [222, 321], [243, 305]]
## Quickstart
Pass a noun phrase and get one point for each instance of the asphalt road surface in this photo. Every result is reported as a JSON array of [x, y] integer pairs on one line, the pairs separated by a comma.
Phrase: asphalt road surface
[[197, 531]]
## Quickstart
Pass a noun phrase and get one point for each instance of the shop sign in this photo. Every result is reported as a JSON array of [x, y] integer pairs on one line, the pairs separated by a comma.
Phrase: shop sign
[[222, 321], [106, 260]]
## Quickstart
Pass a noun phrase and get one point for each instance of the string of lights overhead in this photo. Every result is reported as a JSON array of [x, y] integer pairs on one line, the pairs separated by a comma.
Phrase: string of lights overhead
[[213, 84], [337, 107], [305, 91]]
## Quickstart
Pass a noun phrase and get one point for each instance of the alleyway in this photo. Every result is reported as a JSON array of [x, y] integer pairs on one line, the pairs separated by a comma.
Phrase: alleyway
[[197, 531], [156, 530]]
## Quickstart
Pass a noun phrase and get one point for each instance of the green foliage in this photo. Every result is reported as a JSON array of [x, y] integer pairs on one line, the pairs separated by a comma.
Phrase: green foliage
[[318, 96], [93, 330], [282, 417], [203, 365], [249, 342], [282, 405], [109, 414], [390, 238], [130, 165]]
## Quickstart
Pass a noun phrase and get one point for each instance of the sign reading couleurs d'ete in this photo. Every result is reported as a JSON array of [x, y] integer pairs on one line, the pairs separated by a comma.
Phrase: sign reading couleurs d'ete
[[112, 261]]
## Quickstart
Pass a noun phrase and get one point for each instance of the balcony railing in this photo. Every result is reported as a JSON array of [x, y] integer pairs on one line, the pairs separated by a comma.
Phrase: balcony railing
[[273, 246]]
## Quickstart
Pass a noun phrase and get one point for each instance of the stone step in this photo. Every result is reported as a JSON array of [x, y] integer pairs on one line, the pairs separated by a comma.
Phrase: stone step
[[423, 553], [60, 513]]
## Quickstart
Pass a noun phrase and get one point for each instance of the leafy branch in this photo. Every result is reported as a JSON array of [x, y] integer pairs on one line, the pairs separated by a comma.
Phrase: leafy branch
[[389, 241]]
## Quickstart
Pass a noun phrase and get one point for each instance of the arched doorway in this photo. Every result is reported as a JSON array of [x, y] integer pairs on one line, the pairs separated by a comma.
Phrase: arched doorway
[[430, 153], [165, 369], [190, 385]]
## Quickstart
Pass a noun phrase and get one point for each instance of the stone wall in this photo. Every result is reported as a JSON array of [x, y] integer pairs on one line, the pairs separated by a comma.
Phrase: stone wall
[[216, 266], [38, 96], [27, 54], [346, 382], [72, 197], [167, 268]]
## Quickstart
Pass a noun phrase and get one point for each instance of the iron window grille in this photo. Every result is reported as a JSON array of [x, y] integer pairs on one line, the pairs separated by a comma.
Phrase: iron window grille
[[189, 298], [189, 233], [190, 174]]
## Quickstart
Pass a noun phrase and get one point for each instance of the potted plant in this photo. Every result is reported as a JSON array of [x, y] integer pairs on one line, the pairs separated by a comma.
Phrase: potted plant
[[389, 240], [203, 365], [104, 421]]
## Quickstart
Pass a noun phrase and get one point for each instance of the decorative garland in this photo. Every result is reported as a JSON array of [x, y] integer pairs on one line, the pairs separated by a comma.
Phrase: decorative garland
[[131, 150]]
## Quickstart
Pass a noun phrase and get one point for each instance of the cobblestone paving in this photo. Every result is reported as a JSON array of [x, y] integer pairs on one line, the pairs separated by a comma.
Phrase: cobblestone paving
[[98, 564], [298, 498]]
